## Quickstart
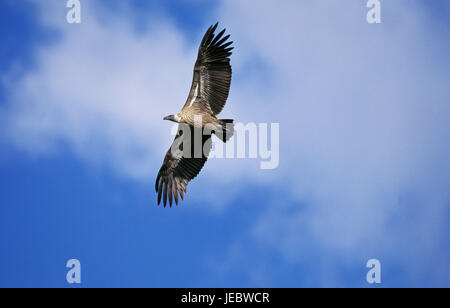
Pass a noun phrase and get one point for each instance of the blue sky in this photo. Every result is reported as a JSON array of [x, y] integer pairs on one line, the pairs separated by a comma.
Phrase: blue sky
[[364, 171]]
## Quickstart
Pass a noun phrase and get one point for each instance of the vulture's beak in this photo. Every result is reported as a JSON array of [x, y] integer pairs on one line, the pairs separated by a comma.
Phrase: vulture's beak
[[170, 118]]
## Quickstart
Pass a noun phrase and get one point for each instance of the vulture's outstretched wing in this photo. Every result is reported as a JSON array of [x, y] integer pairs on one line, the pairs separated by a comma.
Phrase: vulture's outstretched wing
[[212, 73], [182, 163]]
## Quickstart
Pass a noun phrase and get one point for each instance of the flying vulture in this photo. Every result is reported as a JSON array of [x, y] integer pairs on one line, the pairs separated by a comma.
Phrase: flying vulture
[[198, 118]]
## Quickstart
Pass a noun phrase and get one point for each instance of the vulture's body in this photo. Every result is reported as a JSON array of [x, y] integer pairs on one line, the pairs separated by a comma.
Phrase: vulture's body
[[207, 97]]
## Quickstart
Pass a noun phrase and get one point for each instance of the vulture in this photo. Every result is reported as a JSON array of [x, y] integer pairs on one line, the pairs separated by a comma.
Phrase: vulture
[[197, 120]]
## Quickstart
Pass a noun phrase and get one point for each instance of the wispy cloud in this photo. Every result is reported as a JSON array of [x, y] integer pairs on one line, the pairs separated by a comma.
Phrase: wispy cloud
[[363, 110], [102, 90]]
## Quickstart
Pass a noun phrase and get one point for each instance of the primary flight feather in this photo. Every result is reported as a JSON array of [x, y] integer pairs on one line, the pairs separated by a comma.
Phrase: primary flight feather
[[207, 97]]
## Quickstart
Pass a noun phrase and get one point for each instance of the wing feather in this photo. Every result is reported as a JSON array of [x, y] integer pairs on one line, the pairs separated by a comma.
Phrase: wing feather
[[179, 168], [212, 73]]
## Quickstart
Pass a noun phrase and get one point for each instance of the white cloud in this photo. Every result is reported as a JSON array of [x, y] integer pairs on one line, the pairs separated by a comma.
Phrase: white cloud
[[103, 89], [364, 112]]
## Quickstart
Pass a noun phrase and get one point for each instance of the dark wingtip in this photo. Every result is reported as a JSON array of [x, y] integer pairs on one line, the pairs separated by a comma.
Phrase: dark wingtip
[[175, 190], [159, 192], [157, 182], [182, 194], [213, 29], [169, 190], [165, 194]]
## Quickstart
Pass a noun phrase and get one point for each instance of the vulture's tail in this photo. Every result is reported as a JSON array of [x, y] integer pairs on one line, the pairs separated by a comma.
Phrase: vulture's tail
[[225, 130]]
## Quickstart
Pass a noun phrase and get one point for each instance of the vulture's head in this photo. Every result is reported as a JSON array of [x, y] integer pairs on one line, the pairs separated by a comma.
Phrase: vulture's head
[[173, 117]]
